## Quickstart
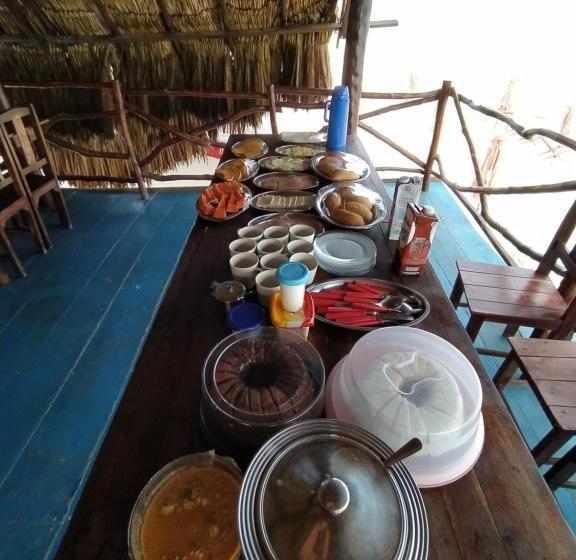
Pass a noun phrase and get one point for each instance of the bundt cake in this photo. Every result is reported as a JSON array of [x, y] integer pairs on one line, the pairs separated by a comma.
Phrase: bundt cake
[[264, 377]]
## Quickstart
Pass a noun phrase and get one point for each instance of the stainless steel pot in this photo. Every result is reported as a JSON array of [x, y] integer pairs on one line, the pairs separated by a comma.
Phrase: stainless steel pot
[[319, 489]]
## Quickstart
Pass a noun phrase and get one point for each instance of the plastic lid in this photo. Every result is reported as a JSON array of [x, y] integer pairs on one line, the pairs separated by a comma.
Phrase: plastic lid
[[332, 500], [400, 383], [292, 274], [429, 210], [341, 92], [246, 316]]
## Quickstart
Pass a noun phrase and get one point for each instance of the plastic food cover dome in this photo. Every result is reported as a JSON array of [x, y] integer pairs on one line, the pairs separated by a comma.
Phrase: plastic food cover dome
[[401, 383]]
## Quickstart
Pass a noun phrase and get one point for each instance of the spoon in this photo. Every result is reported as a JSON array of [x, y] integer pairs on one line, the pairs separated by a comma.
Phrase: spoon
[[409, 448], [400, 303]]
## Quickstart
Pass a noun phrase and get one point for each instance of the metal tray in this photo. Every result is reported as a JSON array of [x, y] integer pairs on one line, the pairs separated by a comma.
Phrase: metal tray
[[251, 164], [378, 206], [304, 208], [265, 163], [354, 163], [247, 201], [285, 150], [398, 288], [288, 219], [304, 137], [264, 151], [314, 182]]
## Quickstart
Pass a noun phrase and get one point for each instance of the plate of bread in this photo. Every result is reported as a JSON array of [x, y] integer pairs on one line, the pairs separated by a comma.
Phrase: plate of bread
[[350, 205], [340, 166]]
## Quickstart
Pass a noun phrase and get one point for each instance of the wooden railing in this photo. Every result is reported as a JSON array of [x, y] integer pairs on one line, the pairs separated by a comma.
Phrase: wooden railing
[[277, 98]]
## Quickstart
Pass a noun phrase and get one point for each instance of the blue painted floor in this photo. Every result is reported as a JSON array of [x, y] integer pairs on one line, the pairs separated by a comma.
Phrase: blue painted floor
[[456, 238], [70, 334]]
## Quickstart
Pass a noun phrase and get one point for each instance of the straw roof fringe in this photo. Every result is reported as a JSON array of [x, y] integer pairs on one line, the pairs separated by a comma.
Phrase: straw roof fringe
[[231, 64]]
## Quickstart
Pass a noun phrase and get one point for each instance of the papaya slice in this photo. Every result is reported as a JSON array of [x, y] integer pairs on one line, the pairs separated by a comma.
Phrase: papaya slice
[[205, 207], [220, 212]]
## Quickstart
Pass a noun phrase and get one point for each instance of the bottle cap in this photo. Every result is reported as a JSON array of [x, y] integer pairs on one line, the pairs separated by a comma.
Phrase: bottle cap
[[292, 274], [429, 210], [246, 316]]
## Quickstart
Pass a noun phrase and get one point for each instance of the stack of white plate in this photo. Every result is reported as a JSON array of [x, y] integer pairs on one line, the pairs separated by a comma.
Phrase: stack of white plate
[[345, 253]]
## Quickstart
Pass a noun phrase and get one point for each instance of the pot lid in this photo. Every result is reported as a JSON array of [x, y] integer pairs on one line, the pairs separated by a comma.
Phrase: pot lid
[[230, 291], [330, 498]]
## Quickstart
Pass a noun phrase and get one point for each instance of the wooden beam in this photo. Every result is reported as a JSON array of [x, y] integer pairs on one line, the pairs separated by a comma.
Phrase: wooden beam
[[170, 36], [272, 108], [4, 103], [356, 36], [395, 107], [104, 15], [204, 142], [119, 104], [444, 93], [168, 23]]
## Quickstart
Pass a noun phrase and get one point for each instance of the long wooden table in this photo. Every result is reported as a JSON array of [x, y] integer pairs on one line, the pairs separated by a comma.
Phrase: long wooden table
[[501, 509]]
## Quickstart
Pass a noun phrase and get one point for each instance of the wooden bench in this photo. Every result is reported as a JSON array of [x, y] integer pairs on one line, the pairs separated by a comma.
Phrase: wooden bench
[[549, 366]]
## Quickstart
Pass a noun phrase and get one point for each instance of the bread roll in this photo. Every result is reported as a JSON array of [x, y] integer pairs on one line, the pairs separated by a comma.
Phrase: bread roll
[[333, 201], [347, 218], [344, 175], [360, 200], [345, 192], [358, 208]]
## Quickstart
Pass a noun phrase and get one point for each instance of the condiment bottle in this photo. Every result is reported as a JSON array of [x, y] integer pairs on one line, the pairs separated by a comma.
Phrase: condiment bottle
[[292, 277], [338, 121]]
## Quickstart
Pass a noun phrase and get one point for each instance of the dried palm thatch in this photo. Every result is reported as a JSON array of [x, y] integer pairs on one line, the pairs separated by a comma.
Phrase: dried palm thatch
[[236, 64]]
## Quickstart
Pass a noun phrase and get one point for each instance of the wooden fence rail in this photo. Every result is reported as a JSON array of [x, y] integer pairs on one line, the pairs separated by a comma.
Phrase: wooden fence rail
[[278, 97]]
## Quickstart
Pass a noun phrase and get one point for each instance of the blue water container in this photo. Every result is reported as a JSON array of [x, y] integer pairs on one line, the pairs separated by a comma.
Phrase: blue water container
[[338, 121]]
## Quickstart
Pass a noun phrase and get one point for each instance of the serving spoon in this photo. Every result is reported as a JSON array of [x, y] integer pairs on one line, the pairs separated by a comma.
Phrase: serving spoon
[[408, 449]]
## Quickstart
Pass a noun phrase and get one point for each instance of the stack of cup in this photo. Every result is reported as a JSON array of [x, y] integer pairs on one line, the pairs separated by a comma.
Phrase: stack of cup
[[257, 253]]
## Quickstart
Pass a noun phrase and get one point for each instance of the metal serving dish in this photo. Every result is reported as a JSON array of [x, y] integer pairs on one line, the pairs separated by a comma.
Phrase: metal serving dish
[[349, 161], [399, 289], [304, 137], [251, 165], [289, 219], [289, 149], [267, 181], [285, 163], [318, 489], [378, 206], [247, 201], [264, 151], [307, 200]]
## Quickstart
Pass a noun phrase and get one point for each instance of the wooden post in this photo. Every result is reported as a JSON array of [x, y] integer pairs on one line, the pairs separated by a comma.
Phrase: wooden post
[[272, 105], [119, 104], [444, 93], [4, 103], [356, 34]]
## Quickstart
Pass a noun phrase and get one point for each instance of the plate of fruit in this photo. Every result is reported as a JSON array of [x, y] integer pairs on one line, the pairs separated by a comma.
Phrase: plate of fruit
[[223, 201]]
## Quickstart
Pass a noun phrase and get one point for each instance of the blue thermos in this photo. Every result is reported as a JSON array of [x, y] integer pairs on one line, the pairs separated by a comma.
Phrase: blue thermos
[[338, 121]]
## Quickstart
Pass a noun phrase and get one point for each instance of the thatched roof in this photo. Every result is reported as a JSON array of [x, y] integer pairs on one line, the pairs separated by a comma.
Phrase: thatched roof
[[155, 44]]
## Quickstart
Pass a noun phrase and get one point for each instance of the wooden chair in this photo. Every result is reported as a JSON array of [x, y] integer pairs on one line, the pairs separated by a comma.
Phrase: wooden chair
[[549, 367], [13, 200], [561, 471], [21, 127], [522, 297]]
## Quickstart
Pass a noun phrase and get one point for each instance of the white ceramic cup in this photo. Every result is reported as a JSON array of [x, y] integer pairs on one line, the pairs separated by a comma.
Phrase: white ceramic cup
[[267, 246], [277, 232], [244, 267], [302, 232], [272, 261], [266, 285], [310, 262], [300, 246], [242, 246], [251, 232]]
